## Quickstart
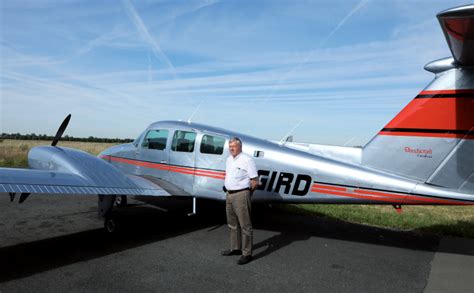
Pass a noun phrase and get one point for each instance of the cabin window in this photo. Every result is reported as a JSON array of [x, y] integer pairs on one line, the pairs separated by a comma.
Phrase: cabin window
[[137, 140], [183, 141], [155, 139], [212, 145]]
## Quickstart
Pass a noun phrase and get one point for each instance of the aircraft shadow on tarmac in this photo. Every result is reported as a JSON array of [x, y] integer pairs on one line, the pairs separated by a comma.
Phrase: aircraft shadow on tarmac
[[144, 224]]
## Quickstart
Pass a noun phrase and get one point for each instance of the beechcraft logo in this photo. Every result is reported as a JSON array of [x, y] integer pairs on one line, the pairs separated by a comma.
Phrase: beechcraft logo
[[420, 153]]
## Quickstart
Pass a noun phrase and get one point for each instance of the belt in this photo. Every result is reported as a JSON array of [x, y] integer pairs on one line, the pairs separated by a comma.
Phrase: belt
[[235, 191]]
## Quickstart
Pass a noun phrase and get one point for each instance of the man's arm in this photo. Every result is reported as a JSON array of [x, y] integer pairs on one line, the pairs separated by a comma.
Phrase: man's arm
[[253, 184]]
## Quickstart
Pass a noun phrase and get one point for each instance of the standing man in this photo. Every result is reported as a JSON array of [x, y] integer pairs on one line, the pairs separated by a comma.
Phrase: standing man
[[241, 180]]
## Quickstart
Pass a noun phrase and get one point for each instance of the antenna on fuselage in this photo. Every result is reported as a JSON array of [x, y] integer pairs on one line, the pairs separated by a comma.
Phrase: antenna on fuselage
[[194, 113], [289, 137]]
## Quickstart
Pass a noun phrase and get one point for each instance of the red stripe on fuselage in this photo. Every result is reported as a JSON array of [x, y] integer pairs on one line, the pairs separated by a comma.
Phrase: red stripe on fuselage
[[171, 168], [388, 197], [353, 195], [330, 187]]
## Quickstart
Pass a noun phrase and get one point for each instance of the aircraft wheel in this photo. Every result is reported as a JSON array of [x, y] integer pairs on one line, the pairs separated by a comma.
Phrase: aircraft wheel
[[121, 200], [111, 224]]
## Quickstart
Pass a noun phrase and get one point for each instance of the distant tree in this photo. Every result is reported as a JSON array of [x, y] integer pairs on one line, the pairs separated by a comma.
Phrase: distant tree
[[34, 136]]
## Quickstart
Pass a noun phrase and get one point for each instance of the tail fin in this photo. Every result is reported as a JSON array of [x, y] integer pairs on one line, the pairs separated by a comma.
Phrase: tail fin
[[432, 138]]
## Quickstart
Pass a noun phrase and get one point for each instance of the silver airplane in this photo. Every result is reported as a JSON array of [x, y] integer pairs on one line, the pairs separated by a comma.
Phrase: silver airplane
[[423, 156]]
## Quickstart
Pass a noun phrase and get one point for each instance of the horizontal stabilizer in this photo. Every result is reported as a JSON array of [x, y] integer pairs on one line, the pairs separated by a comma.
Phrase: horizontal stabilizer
[[458, 27]]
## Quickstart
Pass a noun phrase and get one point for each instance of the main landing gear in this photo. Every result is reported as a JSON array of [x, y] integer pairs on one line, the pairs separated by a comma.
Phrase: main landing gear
[[111, 223], [111, 219], [106, 203]]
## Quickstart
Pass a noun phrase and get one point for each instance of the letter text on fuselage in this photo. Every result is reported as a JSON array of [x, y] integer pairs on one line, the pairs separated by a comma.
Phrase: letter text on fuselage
[[288, 183]]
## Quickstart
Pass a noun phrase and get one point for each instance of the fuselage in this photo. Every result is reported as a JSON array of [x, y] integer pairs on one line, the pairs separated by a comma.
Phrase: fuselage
[[192, 156]]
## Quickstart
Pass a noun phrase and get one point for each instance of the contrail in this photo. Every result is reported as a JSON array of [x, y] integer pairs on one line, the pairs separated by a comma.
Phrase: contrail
[[357, 7], [205, 4], [145, 35]]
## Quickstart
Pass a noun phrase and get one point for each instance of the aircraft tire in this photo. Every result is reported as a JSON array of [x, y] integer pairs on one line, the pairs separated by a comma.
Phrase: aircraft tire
[[111, 224]]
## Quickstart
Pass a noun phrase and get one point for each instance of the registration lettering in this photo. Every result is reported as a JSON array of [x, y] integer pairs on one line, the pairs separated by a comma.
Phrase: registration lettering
[[288, 183]]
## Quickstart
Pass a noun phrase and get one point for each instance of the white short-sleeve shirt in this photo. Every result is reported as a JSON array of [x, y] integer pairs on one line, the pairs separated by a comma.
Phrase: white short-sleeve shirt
[[239, 171]]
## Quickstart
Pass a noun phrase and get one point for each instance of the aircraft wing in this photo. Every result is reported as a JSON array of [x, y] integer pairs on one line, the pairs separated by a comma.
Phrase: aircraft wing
[[48, 182], [67, 171]]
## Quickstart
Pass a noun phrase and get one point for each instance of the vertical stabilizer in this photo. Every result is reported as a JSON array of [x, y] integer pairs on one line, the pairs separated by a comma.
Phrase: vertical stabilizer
[[432, 138]]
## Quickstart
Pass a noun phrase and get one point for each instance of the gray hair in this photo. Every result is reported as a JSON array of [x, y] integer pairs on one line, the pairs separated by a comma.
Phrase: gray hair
[[235, 139]]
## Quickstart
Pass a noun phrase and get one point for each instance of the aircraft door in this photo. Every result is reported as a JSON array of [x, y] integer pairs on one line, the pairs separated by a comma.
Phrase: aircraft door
[[182, 160], [153, 154], [210, 165]]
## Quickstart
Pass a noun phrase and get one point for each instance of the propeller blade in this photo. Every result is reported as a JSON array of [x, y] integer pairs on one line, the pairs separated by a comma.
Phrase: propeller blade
[[61, 129], [23, 197]]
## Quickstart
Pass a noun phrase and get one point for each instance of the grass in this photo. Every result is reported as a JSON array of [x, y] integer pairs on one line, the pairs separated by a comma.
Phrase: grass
[[441, 220], [14, 153]]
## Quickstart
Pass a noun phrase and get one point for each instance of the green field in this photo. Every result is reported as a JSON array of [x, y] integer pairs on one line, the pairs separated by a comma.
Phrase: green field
[[14, 153], [442, 220]]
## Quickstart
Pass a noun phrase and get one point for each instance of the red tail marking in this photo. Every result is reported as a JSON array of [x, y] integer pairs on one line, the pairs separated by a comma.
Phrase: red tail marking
[[436, 113], [423, 134]]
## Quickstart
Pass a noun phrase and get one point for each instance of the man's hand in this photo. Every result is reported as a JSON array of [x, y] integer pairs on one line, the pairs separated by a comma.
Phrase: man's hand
[[253, 184]]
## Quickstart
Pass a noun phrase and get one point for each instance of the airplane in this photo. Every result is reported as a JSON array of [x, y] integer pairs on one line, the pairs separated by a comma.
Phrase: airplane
[[423, 156]]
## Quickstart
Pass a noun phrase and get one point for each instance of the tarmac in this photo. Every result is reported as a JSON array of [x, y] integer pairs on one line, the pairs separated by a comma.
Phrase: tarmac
[[56, 243]]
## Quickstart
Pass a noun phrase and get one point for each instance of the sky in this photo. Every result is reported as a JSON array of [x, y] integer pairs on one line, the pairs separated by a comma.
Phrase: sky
[[332, 72]]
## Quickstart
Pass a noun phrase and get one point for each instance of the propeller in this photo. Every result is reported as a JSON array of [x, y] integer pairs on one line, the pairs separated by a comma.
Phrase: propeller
[[57, 137], [61, 129], [23, 197]]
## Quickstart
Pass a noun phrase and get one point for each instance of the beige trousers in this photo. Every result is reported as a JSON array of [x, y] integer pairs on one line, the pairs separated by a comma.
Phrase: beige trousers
[[238, 209]]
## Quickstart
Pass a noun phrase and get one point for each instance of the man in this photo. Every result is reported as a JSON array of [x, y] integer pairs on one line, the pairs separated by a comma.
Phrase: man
[[241, 180]]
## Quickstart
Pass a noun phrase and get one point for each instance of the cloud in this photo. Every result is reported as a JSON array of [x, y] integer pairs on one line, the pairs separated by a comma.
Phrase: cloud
[[298, 66], [146, 36], [364, 82], [101, 40]]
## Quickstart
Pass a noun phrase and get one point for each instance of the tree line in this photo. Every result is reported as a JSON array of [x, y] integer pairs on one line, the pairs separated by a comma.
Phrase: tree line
[[34, 136]]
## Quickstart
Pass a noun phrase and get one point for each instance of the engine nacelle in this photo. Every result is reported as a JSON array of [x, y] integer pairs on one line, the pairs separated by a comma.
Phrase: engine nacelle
[[72, 161]]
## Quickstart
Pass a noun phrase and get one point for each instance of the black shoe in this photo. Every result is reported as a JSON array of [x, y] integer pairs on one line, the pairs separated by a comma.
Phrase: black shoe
[[244, 259], [231, 252]]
